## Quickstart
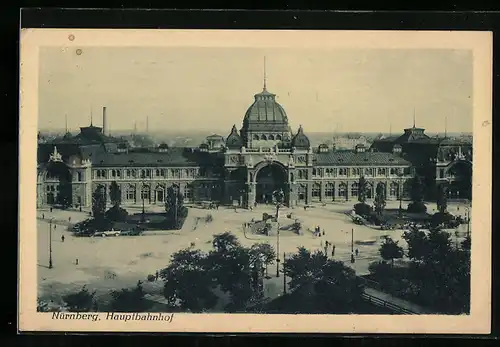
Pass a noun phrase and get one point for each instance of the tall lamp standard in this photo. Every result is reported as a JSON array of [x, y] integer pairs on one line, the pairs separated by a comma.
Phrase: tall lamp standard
[[143, 180], [50, 243], [353, 260], [284, 275], [400, 191], [278, 198], [468, 217]]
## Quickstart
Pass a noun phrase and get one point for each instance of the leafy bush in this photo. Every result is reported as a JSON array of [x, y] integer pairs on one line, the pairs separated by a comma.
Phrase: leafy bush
[[377, 220], [363, 209], [440, 218], [380, 269], [151, 278], [416, 207], [82, 301], [116, 214]]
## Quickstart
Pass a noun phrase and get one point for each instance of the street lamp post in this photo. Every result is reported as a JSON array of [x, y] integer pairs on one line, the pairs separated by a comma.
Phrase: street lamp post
[[400, 191], [468, 219], [50, 243], [352, 246], [284, 276], [278, 196], [143, 180], [176, 198]]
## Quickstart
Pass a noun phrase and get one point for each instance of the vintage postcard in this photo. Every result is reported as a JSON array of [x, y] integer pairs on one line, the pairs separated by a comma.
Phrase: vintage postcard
[[255, 181]]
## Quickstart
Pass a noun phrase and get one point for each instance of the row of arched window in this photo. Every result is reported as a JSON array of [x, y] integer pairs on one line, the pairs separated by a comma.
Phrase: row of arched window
[[343, 188], [271, 137], [150, 173], [331, 172]]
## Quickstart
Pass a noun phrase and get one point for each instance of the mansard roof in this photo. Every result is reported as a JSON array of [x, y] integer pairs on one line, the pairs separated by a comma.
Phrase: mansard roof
[[351, 158], [176, 156]]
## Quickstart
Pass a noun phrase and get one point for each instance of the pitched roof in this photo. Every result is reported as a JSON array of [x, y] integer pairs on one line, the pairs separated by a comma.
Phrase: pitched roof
[[351, 158], [175, 156]]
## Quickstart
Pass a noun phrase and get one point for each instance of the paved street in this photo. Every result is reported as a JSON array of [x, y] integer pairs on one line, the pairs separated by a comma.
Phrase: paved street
[[118, 262]]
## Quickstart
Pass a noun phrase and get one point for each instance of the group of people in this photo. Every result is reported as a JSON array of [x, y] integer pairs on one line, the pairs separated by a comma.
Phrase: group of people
[[213, 206], [327, 245], [317, 231]]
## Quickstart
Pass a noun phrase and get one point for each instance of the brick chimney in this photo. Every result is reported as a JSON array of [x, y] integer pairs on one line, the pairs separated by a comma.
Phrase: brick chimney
[[104, 125]]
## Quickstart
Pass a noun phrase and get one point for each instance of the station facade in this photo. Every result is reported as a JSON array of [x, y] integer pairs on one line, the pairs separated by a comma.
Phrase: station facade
[[242, 169]]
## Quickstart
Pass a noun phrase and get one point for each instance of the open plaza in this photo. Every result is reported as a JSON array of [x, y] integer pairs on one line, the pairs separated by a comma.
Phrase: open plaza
[[109, 263]]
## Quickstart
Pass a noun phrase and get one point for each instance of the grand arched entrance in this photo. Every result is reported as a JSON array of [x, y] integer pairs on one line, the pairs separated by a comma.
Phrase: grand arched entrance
[[459, 176], [58, 188], [270, 178]]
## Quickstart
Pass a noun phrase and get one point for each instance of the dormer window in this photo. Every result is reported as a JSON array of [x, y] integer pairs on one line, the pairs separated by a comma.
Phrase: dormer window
[[397, 149], [360, 148]]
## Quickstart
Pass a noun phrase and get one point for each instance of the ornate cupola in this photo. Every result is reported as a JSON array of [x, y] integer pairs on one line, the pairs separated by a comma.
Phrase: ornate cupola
[[265, 123], [300, 140], [234, 140]]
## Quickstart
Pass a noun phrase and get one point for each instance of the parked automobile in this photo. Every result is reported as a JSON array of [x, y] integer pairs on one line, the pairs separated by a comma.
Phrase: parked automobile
[[86, 232], [131, 232], [105, 233], [358, 221]]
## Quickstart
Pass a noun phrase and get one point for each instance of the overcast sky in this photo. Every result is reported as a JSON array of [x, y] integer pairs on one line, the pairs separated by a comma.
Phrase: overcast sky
[[211, 88]]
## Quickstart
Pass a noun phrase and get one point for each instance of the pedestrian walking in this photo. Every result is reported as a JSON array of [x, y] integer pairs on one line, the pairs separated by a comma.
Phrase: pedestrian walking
[[304, 208], [333, 251], [43, 215], [51, 209], [76, 262], [357, 252], [156, 275], [323, 232], [55, 225], [62, 238], [80, 208], [69, 219]]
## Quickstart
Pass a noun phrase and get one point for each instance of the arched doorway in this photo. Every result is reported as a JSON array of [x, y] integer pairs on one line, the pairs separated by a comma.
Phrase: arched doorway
[[58, 185], [369, 190], [459, 176], [160, 194], [270, 178]]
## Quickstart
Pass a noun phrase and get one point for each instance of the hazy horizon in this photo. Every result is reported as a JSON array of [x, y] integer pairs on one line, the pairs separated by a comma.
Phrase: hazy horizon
[[324, 90]]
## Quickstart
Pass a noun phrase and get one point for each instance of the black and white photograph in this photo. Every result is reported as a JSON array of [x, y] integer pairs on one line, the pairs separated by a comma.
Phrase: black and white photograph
[[232, 174]]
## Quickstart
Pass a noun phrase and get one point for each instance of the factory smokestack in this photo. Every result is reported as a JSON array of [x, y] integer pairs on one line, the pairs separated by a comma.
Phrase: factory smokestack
[[104, 125]]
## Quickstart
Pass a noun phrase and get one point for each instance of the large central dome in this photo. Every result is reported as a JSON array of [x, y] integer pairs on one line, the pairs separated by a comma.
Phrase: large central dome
[[265, 114]]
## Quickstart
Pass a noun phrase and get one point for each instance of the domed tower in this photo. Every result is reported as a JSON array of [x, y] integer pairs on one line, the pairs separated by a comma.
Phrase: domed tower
[[234, 141], [265, 123], [300, 140]]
